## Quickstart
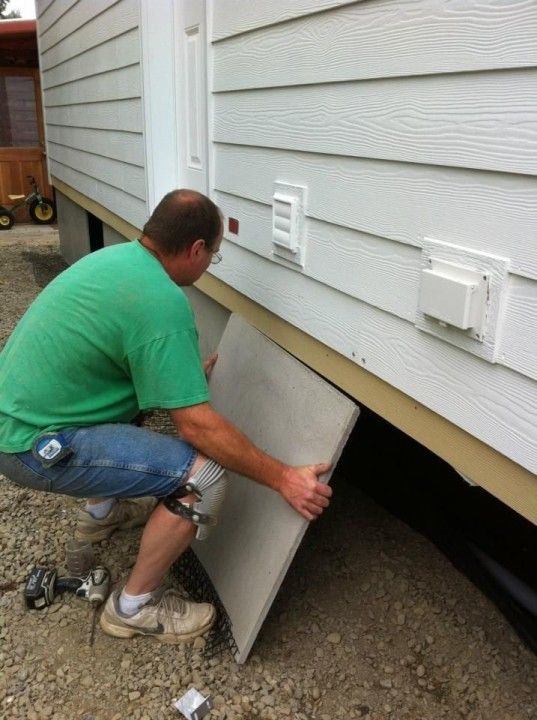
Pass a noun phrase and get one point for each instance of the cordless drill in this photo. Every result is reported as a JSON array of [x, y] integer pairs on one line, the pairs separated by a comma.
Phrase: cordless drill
[[43, 585]]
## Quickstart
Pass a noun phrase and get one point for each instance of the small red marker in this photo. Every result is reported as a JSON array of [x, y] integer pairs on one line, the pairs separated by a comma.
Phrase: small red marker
[[233, 226]]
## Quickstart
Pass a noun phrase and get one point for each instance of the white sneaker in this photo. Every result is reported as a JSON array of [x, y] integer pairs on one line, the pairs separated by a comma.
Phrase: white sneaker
[[168, 617], [126, 513]]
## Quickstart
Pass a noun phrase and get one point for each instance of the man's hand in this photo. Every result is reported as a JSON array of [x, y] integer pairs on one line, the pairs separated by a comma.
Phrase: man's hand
[[303, 491], [209, 363], [217, 438]]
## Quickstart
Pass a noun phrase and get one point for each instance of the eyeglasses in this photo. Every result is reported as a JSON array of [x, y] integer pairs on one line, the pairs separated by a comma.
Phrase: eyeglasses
[[216, 257]]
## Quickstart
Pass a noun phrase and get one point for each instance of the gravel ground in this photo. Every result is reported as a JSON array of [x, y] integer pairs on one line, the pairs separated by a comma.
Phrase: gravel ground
[[371, 622]]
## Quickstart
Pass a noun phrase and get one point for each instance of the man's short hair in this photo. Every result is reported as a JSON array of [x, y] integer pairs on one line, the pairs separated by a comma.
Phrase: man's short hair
[[181, 218]]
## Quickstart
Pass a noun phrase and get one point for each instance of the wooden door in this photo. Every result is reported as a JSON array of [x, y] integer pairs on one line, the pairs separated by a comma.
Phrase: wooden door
[[22, 140]]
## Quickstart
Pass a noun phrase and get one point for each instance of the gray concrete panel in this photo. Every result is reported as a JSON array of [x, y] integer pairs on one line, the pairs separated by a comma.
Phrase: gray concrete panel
[[295, 415], [73, 229], [112, 237], [211, 319]]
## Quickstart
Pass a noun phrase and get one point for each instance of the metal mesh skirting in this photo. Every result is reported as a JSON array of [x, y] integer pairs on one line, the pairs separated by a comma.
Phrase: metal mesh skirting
[[191, 575]]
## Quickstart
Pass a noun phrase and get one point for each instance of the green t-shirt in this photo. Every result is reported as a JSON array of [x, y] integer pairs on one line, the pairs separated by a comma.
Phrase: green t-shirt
[[110, 336]]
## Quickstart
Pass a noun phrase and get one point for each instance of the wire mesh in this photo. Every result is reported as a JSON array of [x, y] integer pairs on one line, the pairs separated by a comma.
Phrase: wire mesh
[[191, 575]]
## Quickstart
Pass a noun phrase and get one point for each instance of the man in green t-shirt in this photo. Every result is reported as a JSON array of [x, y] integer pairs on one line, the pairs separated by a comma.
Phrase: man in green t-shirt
[[111, 336]]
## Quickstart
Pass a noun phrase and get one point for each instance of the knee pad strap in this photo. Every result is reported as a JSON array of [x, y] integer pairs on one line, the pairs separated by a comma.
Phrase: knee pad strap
[[174, 505], [208, 484]]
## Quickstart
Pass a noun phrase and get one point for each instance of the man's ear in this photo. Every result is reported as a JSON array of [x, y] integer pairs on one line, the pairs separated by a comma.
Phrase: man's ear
[[196, 247]]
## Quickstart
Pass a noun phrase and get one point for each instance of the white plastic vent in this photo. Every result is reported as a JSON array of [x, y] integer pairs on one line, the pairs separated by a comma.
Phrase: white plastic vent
[[288, 222]]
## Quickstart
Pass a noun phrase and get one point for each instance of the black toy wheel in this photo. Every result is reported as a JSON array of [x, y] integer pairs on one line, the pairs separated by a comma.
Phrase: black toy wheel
[[43, 212], [6, 219]]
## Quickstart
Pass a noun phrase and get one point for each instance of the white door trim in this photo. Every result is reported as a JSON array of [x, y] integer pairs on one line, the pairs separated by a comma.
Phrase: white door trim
[[158, 41], [191, 93]]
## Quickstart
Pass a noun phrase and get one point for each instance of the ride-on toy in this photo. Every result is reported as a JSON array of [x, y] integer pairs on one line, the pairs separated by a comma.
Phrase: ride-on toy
[[41, 209]]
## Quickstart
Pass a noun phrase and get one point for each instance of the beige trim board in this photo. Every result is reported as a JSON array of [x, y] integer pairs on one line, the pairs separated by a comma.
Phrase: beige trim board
[[508, 481], [114, 221]]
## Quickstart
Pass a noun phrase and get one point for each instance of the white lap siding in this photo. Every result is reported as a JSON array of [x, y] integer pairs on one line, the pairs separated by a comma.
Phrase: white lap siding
[[405, 119], [92, 90]]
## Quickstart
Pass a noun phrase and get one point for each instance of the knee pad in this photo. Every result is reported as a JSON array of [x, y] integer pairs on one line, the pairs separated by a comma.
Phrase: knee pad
[[208, 484]]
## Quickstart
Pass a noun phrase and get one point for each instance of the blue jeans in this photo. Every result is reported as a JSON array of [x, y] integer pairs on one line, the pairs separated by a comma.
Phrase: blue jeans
[[112, 460]]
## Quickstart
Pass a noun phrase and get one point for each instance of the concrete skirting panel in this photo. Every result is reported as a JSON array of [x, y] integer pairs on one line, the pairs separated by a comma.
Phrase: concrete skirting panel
[[292, 413], [73, 229], [111, 236], [211, 319]]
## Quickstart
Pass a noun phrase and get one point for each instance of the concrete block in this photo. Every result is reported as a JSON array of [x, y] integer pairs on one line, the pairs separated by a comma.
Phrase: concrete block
[[293, 414]]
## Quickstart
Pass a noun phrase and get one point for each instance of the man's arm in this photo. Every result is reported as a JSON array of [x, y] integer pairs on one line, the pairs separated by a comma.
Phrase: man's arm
[[217, 438]]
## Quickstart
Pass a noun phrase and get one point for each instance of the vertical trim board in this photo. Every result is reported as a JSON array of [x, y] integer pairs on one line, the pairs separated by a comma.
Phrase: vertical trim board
[[194, 90], [192, 100], [158, 41]]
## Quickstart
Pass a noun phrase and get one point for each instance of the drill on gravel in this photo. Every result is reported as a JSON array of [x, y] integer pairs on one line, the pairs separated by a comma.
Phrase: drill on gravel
[[43, 585]]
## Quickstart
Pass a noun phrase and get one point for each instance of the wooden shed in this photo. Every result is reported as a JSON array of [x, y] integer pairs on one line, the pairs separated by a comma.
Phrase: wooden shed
[[375, 162], [22, 135]]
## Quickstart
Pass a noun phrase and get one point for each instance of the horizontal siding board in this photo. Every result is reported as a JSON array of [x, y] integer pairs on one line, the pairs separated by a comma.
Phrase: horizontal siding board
[[119, 84], [483, 120], [129, 208], [118, 19], [50, 11], [123, 115], [387, 38], [486, 211], [127, 147], [236, 16], [379, 272], [502, 412], [42, 5], [77, 16], [519, 342], [116, 53], [128, 178]]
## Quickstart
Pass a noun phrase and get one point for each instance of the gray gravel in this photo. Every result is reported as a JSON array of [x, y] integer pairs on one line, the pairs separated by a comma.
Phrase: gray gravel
[[371, 622]]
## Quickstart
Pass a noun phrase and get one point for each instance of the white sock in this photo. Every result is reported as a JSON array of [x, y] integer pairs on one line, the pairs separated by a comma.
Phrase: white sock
[[130, 604], [100, 510]]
